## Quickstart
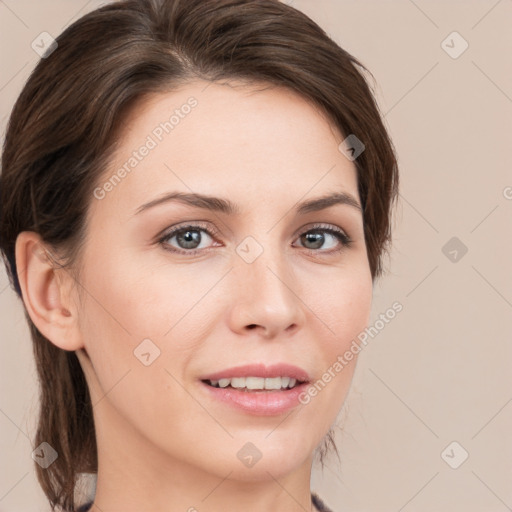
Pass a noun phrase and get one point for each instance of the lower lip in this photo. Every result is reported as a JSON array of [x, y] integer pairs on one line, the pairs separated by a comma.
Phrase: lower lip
[[261, 403]]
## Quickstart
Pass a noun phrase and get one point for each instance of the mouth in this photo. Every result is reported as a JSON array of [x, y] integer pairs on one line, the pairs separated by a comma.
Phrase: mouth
[[258, 389], [255, 384]]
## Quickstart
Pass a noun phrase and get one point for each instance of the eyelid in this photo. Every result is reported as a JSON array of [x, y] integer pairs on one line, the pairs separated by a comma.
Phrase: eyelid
[[342, 236], [211, 230], [320, 226], [206, 226]]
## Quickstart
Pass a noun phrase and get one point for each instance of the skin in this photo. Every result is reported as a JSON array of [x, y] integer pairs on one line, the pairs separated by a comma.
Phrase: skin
[[163, 443]]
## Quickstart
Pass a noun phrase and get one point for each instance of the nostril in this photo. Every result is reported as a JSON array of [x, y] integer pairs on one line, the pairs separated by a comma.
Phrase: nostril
[[252, 326]]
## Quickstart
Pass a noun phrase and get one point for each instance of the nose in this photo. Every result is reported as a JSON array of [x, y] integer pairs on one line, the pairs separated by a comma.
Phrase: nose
[[265, 300]]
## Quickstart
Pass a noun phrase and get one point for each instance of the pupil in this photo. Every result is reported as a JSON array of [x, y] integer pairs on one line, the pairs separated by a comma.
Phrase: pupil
[[190, 239], [316, 238]]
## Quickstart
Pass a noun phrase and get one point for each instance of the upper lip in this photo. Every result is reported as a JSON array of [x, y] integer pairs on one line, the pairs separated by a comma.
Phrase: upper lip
[[261, 370]]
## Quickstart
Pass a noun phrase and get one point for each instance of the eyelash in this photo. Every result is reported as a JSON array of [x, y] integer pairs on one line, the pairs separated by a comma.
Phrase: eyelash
[[339, 234]]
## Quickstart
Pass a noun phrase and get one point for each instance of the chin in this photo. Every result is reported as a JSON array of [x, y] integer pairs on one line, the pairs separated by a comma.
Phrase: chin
[[264, 470], [262, 458]]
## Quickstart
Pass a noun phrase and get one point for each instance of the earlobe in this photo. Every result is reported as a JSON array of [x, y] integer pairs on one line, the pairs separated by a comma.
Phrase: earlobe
[[45, 290]]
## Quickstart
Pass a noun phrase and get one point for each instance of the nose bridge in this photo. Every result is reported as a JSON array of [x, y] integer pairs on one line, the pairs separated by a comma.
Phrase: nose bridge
[[270, 277], [265, 295]]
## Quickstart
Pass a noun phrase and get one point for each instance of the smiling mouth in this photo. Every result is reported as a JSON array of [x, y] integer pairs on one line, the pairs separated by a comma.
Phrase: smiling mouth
[[255, 383]]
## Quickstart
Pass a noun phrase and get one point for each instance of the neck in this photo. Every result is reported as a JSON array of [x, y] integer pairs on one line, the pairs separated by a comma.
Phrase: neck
[[135, 475]]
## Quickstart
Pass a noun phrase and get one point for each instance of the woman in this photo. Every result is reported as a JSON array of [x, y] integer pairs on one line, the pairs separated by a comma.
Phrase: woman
[[195, 201]]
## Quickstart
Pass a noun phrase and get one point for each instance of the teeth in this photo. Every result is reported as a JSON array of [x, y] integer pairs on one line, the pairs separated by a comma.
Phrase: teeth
[[255, 383], [223, 383], [238, 382], [274, 383], [251, 382]]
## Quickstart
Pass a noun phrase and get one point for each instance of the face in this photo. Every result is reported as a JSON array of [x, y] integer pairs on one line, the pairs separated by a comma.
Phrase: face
[[193, 288]]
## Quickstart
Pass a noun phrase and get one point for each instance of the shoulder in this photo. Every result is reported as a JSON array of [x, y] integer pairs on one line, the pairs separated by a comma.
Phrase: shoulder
[[85, 508], [319, 504]]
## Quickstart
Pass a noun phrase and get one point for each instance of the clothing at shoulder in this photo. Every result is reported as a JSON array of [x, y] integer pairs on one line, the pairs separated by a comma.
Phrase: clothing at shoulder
[[319, 504]]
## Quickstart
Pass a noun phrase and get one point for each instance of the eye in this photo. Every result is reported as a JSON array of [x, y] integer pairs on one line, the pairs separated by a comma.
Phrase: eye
[[324, 238], [187, 239], [193, 238]]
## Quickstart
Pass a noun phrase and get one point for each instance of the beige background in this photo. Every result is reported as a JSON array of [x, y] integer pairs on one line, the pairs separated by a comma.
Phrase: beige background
[[440, 371]]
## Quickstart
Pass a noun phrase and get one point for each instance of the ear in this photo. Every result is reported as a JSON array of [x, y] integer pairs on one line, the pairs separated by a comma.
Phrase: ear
[[47, 292]]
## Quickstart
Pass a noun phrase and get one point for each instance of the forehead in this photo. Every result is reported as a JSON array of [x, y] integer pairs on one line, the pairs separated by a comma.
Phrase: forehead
[[244, 141]]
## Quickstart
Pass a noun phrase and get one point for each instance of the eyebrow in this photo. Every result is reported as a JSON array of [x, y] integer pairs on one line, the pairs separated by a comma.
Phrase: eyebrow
[[218, 204]]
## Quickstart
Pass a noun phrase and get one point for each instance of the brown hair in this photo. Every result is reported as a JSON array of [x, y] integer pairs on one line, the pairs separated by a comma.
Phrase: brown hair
[[64, 125]]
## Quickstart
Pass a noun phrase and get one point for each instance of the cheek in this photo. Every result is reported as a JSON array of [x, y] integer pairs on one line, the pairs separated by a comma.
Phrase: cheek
[[343, 305], [343, 312], [124, 320], [352, 316], [118, 313], [129, 301], [129, 297]]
